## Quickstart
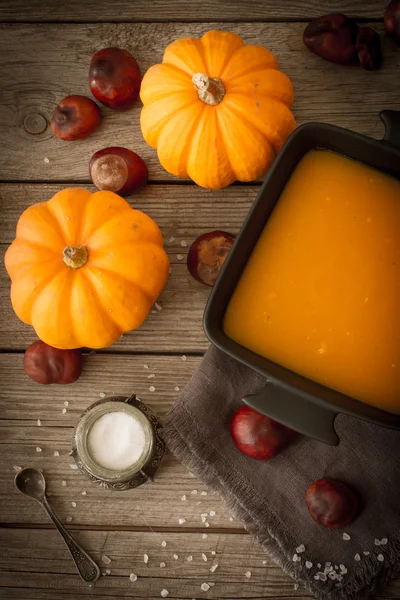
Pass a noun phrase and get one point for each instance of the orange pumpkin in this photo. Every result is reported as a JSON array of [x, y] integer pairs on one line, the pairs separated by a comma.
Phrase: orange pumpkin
[[216, 109], [85, 268]]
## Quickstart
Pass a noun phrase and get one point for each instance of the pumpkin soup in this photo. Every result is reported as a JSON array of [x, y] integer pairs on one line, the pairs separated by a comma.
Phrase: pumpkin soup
[[320, 294]]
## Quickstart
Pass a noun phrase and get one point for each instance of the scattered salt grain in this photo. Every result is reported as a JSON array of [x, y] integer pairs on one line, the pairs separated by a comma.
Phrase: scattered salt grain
[[176, 388], [39, 422], [84, 493], [108, 571], [357, 557], [193, 492], [384, 541], [380, 557], [102, 395], [66, 403], [151, 376], [212, 513], [198, 503], [366, 553], [163, 544], [377, 542], [73, 504], [231, 519], [64, 411], [189, 558], [322, 576], [308, 564], [152, 388], [56, 453], [300, 548], [248, 574], [207, 524], [179, 256], [296, 586], [181, 521], [191, 474], [63, 483], [133, 577], [171, 239], [343, 569], [46, 160], [162, 565], [164, 593], [69, 519], [158, 306], [204, 493], [264, 562], [145, 366], [183, 357], [74, 467], [204, 557], [145, 558], [296, 558], [214, 568], [106, 560], [38, 449], [205, 587], [346, 537], [17, 468], [213, 552], [319, 565], [183, 244], [204, 536], [176, 557]]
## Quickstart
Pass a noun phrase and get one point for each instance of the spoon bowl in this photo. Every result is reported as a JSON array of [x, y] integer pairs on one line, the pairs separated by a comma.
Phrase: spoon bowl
[[31, 483]]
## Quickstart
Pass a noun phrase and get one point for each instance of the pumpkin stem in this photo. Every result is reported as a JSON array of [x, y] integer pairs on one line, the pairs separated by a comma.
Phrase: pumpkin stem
[[75, 256], [210, 89]]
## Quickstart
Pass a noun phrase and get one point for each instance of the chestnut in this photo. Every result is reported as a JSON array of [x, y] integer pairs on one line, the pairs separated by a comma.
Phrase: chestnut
[[118, 169], [392, 20], [332, 37], [45, 364], [368, 46], [114, 78], [75, 118], [258, 436], [207, 254], [332, 503]]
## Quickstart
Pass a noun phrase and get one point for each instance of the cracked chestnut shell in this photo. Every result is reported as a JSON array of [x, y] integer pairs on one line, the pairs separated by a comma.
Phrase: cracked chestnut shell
[[333, 38], [332, 503], [118, 170]]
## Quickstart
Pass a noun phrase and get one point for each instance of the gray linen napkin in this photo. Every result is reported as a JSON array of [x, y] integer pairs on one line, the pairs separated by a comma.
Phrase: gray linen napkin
[[269, 496]]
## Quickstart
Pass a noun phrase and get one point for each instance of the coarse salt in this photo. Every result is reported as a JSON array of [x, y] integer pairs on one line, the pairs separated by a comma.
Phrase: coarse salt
[[357, 557], [193, 492], [204, 587], [56, 453], [176, 388], [106, 559], [384, 541], [64, 411], [264, 562], [73, 466], [380, 557], [39, 422], [145, 366], [69, 519], [162, 565], [176, 557], [163, 544], [116, 440], [73, 504], [300, 548], [377, 542], [179, 256], [189, 558], [204, 536], [366, 553], [213, 568], [346, 537], [171, 239], [133, 577], [108, 571], [212, 513], [231, 519], [183, 497], [152, 388], [207, 524], [204, 557], [63, 483], [181, 521], [183, 357], [66, 403], [17, 468], [46, 160], [164, 593], [38, 449], [151, 376], [183, 244], [84, 493], [308, 564], [204, 493], [248, 574]]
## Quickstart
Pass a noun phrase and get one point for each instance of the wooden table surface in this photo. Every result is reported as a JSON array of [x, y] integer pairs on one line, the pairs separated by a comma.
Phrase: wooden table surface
[[45, 48]]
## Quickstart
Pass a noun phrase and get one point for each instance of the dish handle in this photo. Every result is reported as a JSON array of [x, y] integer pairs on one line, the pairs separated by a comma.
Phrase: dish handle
[[299, 414], [391, 120]]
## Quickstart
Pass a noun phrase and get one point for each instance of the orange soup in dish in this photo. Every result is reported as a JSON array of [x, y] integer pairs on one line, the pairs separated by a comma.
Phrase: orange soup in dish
[[320, 294]]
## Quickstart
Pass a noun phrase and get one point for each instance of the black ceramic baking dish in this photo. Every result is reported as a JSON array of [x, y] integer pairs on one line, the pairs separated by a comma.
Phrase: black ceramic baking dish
[[300, 403]]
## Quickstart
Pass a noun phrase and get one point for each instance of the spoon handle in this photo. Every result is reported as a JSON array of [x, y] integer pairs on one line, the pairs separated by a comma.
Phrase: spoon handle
[[88, 570]]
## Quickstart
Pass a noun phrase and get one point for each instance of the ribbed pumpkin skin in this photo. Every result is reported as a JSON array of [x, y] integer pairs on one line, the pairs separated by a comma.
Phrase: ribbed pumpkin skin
[[215, 145], [112, 293]]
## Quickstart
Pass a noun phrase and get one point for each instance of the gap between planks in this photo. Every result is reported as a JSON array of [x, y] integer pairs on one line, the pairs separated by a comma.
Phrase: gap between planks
[[130, 528]]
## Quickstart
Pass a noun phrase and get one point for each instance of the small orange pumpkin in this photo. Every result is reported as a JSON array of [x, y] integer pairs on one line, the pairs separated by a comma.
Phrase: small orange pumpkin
[[85, 268], [216, 109]]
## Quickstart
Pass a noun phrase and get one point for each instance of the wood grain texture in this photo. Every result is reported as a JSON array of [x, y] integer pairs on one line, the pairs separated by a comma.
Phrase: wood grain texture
[[180, 10], [39, 559], [183, 213], [23, 402], [43, 63]]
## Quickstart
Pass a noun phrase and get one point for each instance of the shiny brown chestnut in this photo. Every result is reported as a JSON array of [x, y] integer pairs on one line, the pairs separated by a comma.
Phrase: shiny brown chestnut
[[114, 78], [118, 170], [45, 364], [369, 50], [392, 20], [75, 118], [207, 255], [332, 503], [333, 38]]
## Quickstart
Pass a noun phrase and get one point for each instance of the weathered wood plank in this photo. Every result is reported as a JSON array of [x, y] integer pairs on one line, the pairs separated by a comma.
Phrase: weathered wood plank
[[183, 213], [37, 559], [179, 10], [22, 402], [46, 62]]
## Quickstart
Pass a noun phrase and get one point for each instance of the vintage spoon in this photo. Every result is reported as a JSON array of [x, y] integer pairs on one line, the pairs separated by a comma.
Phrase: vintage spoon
[[32, 483]]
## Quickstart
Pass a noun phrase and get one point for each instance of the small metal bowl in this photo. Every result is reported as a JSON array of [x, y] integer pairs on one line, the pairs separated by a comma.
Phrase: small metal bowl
[[136, 474]]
